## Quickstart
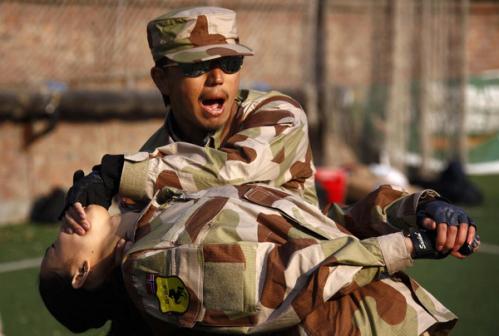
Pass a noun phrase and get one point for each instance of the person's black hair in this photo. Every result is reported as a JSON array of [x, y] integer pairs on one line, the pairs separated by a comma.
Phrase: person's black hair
[[74, 308], [162, 62], [159, 64]]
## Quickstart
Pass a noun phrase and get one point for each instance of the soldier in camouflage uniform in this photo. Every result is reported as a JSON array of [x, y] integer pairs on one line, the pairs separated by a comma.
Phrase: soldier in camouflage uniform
[[214, 133], [252, 259]]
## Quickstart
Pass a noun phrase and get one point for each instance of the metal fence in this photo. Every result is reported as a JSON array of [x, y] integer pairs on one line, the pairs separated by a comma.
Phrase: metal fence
[[102, 44], [379, 75]]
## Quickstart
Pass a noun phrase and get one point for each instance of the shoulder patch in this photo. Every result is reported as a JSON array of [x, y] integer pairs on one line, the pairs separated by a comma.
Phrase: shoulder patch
[[172, 294]]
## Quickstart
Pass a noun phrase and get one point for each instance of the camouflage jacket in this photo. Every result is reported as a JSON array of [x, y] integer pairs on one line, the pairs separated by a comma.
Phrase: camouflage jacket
[[251, 259], [265, 141]]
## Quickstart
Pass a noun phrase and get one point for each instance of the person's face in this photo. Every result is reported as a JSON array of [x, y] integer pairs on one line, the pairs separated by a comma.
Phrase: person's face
[[199, 104], [70, 254]]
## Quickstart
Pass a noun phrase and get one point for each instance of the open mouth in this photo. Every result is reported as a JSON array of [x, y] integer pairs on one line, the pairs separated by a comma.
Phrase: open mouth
[[213, 106]]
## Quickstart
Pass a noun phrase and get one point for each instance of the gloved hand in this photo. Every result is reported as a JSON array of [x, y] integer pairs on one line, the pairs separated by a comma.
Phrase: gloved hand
[[444, 229], [88, 189], [99, 186], [424, 245], [443, 212]]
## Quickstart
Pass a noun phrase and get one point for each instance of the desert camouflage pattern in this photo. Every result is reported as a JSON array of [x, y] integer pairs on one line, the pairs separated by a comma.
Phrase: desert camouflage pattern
[[195, 34], [251, 259], [265, 141], [386, 210]]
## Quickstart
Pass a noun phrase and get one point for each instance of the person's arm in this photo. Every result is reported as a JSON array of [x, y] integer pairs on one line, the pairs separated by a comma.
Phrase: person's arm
[[387, 210], [290, 278], [384, 210], [270, 145], [353, 263]]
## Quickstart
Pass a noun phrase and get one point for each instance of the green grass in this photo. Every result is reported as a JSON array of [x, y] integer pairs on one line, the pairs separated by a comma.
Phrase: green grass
[[25, 241], [470, 288], [487, 215], [21, 308]]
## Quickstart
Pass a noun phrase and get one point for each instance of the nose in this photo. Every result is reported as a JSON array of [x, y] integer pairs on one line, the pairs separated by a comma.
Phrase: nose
[[215, 77]]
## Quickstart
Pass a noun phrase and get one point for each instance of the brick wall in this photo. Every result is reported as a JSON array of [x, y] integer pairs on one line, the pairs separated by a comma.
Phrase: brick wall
[[103, 45], [27, 173], [483, 37], [27, 53]]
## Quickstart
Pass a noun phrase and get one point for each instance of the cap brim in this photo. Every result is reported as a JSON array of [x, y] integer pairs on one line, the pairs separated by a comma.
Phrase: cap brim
[[205, 53]]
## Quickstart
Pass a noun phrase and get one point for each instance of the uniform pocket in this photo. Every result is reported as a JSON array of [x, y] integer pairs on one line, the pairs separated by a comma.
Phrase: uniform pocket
[[223, 285]]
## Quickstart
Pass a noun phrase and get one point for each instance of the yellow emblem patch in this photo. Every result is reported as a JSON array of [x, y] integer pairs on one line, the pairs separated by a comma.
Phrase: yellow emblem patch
[[172, 295]]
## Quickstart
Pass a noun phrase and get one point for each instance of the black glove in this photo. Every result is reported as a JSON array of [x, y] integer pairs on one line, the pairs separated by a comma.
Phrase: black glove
[[423, 242], [110, 171], [99, 186], [424, 245], [443, 212]]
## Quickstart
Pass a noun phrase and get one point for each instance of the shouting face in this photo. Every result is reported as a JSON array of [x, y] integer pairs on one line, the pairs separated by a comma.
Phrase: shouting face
[[201, 96]]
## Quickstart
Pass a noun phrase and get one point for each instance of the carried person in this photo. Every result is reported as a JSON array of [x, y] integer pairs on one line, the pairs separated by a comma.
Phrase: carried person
[[251, 259]]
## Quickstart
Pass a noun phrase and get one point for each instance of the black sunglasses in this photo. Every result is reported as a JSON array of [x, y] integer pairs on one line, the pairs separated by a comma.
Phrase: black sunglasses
[[228, 64]]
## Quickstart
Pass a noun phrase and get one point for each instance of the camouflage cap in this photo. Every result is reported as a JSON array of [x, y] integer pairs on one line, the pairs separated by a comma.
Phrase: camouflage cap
[[195, 34]]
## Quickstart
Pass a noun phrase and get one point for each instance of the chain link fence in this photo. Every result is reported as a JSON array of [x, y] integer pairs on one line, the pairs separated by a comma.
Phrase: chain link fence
[[102, 44], [377, 78], [384, 75]]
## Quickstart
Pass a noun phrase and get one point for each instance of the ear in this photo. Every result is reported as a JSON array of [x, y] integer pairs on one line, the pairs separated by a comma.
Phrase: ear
[[160, 78], [81, 275]]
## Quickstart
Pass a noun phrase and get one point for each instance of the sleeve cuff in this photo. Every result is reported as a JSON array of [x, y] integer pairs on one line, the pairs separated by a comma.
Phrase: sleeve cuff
[[134, 178], [401, 214], [395, 253]]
